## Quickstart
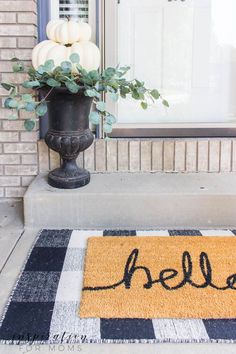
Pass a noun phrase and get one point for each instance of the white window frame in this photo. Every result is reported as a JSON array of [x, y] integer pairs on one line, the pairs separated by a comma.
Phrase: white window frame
[[109, 20], [54, 9]]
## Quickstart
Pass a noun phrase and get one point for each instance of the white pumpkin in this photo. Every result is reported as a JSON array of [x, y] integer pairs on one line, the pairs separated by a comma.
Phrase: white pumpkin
[[48, 49], [68, 31], [89, 53]]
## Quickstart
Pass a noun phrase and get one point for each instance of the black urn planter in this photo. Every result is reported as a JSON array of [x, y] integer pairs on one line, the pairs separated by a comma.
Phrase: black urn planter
[[69, 135]]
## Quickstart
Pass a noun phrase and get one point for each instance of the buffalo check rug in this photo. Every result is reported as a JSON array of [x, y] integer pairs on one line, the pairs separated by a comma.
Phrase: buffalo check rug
[[44, 303]]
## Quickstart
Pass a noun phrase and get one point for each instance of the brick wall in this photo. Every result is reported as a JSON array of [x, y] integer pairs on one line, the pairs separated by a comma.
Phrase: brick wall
[[18, 148], [215, 155]]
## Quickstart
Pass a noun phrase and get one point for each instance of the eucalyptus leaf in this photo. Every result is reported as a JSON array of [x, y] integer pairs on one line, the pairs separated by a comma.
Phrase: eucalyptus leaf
[[124, 91], [49, 65], [144, 105], [6, 103], [31, 84], [109, 72], [15, 59], [101, 106], [81, 70], [41, 109], [41, 69], [141, 90], [66, 66], [94, 118], [94, 75], [53, 83], [7, 86], [13, 103], [125, 68], [135, 95], [29, 124], [75, 58], [18, 67], [110, 119], [92, 93], [165, 103], [72, 87], [155, 94], [30, 106], [107, 128]]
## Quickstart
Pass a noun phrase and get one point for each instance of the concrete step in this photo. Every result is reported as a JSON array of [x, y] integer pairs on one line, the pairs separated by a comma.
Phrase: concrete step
[[135, 201]]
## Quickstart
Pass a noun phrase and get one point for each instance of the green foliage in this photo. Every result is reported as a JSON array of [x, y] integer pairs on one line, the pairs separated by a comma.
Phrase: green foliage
[[110, 119], [7, 86], [94, 118], [31, 84], [165, 103], [101, 107], [12, 103], [66, 67], [70, 74], [29, 124], [72, 86], [53, 83], [155, 94], [92, 93], [30, 106], [7, 103], [18, 67], [41, 109], [107, 128], [144, 105], [75, 58]]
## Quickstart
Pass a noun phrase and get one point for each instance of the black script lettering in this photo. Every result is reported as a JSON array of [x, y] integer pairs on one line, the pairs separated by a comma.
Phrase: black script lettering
[[169, 274]]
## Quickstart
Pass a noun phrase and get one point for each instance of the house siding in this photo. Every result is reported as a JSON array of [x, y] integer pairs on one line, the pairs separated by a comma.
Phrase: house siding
[[18, 148]]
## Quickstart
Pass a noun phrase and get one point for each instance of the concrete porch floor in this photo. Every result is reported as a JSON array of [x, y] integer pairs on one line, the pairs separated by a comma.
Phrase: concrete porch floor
[[15, 242]]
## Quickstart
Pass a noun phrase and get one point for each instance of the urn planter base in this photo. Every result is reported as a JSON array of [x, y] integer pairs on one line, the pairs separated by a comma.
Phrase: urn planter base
[[68, 176], [56, 181]]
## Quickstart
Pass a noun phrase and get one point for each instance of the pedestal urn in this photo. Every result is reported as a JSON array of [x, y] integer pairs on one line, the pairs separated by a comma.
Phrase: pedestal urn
[[69, 135]]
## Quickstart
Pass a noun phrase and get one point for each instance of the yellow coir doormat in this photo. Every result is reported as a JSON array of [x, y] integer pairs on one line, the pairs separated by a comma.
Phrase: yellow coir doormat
[[160, 277]]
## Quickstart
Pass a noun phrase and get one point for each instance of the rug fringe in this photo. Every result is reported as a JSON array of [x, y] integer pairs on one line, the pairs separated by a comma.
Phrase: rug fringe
[[122, 341]]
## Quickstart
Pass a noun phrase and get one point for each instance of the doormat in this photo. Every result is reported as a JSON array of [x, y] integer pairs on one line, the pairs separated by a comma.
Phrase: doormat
[[160, 277], [43, 307]]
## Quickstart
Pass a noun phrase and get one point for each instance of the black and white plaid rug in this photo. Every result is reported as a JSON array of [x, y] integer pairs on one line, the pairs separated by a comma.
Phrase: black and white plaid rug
[[43, 305]]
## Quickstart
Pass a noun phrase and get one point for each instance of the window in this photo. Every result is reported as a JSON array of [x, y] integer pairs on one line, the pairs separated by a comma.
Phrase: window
[[72, 8]]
